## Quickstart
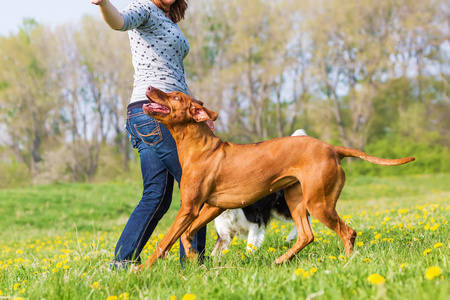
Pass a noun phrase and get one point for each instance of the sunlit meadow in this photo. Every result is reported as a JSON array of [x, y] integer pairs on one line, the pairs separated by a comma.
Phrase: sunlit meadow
[[57, 242]]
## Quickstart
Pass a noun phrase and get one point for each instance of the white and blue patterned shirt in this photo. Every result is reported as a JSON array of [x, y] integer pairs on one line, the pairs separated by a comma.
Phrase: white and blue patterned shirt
[[158, 48]]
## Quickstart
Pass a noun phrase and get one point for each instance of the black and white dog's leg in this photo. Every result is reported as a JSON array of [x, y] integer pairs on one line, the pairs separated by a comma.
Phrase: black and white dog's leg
[[222, 243], [255, 236]]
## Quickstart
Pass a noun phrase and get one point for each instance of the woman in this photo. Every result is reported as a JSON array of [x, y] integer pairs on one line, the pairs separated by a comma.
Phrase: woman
[[158, 49]]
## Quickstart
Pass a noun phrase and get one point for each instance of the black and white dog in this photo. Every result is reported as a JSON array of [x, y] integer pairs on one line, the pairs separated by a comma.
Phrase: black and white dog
[[253, 219]]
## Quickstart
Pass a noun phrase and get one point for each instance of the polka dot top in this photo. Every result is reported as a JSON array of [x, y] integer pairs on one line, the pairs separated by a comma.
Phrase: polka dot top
[[158, 48]]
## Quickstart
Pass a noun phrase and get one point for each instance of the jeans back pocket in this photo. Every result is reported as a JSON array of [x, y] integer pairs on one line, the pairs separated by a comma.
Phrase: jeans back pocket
[[149, 132]]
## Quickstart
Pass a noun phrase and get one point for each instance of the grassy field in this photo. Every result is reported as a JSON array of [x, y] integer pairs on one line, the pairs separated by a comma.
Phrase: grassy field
[[56, 243]]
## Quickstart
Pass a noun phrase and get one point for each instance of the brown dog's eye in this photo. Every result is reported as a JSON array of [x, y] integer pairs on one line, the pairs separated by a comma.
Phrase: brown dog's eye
[[175, 97]]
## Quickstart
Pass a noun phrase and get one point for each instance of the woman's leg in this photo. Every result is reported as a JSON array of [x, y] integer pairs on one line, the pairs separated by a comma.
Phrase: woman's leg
[[155, 201]]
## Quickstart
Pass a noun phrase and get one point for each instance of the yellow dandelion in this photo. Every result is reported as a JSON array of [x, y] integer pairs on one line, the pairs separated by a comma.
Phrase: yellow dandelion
[[299, 272], [435, 227], [127, 295], [366, 260], [66, 267], [403, 265], [225, 251], [437, 245], [305, 275], [432, 272], [19, 251], [426, 251], [1, 293], [112, 298], [272, 249], [360, 244], [332, 257], [82, 275], [242, 256], [342, 257], [313, 271], [173, 297], [189, 297], [16, 286], [54, 270], [95, 285], [376, 279], [378, 236], [18, 298], [59, 265]]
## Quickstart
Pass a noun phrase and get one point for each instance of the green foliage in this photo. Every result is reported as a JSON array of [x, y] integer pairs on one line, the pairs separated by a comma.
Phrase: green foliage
[[14, 174], [371, 75]]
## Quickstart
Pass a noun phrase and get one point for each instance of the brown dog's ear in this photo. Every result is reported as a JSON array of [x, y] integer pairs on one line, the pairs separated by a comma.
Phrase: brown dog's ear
[[197, 101], [200, 113]]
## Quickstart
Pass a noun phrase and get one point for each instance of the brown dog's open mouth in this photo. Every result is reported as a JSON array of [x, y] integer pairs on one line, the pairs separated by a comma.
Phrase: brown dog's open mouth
[[154, 108]]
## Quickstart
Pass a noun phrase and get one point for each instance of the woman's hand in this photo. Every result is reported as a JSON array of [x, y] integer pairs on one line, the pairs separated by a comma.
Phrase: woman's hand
[[98, 2]]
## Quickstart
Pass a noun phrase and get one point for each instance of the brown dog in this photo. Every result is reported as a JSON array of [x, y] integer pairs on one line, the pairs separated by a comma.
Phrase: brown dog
[[222, 175]]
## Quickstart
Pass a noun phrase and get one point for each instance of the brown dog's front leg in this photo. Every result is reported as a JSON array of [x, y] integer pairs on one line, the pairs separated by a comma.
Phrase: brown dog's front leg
[[206, 215], [182, 221]]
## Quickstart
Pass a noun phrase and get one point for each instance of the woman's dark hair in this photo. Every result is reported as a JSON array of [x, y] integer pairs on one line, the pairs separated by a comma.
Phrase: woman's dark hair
[[177, 10]]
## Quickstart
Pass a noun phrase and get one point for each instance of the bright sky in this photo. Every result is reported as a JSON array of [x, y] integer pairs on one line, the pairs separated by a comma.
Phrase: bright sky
[[49, 12]]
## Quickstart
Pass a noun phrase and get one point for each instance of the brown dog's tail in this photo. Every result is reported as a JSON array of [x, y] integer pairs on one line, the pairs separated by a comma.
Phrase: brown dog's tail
[[349, 152]]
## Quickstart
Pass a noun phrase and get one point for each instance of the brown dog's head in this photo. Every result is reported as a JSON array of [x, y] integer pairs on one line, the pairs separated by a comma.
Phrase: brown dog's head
[[176, 108]]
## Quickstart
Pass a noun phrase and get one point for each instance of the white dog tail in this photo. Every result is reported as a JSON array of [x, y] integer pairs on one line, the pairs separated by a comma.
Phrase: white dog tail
[[299, 132]]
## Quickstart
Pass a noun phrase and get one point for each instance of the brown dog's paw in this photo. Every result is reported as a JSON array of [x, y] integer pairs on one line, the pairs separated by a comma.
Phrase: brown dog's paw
[[277, 262]]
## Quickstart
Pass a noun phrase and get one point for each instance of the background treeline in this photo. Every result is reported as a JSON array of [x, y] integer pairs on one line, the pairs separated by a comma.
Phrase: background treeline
[[372, 75]]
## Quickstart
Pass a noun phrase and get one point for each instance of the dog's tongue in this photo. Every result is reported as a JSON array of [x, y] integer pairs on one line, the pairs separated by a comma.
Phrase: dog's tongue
[[155, 107]]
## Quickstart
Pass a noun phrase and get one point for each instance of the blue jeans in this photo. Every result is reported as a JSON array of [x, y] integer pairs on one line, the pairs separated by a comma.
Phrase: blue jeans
[[159, 166]]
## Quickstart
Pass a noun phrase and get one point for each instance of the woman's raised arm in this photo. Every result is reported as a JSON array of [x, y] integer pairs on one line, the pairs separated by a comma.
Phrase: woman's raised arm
[[110, 14]]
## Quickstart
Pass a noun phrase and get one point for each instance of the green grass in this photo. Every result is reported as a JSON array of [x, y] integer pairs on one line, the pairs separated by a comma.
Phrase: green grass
[[57, 241]]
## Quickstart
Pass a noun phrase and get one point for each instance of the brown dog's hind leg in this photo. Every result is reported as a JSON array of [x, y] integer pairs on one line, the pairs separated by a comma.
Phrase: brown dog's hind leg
[[206, 215], [321, 204], [330, 218], [299, 214]]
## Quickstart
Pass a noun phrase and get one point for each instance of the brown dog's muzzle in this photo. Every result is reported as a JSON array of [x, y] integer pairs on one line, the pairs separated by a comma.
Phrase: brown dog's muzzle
[[157, 103]]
